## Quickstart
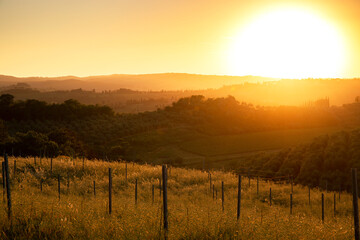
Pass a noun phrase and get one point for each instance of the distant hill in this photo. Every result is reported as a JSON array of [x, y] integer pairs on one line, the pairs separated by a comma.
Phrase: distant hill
[[147, 92], [143, 82]]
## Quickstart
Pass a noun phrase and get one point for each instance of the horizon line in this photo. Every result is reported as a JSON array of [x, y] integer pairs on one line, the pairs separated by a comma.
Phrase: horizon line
[[164, 73]]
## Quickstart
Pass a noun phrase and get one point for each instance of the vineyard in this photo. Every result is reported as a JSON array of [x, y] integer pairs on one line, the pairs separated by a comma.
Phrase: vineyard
[[64, 198]]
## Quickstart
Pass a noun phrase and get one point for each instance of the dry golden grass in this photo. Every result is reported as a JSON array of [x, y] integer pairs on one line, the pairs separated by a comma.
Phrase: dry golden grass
[[193, 214]]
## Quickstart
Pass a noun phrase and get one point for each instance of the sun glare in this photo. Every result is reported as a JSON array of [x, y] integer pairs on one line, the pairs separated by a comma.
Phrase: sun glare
[[288, 43]]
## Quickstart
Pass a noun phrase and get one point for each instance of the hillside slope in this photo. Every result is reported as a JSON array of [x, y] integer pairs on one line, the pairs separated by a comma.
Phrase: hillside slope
[[144, 82], [197, 132], [324, 162]]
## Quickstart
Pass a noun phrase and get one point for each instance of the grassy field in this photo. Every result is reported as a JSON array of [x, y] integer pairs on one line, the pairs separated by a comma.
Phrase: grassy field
[[249, 142], [193, 213], [185, 147]]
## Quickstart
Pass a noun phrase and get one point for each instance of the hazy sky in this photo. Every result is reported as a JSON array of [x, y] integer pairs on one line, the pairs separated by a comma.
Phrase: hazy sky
[[92, 37]]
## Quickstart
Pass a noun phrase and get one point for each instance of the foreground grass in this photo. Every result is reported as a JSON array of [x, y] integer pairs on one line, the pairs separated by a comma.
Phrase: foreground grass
[[193, 213]]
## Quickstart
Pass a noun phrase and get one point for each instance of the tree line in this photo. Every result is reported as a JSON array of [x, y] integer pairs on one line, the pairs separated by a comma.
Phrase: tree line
[[325, 162], [33, 128], [39, 110]]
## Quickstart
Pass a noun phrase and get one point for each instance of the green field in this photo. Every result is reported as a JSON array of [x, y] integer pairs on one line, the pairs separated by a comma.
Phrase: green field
[[250, 142], [193, 211], [184, 147]]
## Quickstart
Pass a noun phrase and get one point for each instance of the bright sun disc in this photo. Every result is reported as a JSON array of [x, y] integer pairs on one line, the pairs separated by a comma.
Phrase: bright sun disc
[[288, 44]]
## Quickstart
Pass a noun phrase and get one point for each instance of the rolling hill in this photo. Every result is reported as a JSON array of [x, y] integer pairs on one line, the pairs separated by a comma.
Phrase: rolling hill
[[143, 82]]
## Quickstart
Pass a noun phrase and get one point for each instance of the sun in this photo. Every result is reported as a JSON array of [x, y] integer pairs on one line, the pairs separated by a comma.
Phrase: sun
[[288, 43]]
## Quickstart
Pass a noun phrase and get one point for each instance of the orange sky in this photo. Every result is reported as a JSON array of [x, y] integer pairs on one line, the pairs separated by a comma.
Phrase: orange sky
[[92, 37]]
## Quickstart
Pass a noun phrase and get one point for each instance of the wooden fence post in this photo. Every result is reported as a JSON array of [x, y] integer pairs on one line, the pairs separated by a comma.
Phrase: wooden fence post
[[35, 161], [51, 165], [8, 192], [355, 202], [239, 198], [291, 203], [59, 185], [136, 182], [3, 179], [41, 183], [270, 196], [322, 207], [222, 194], [165, 205], [292, 184], [153, 193], [213, 191], [94, 188], [110, 189]]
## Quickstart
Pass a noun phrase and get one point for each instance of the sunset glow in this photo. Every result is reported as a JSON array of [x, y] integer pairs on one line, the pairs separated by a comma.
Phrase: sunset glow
[[282, 39], [288, 43]]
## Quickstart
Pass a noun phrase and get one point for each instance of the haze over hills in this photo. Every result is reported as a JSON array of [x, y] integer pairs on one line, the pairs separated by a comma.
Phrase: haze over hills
[[138, 93], [142, 82]]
